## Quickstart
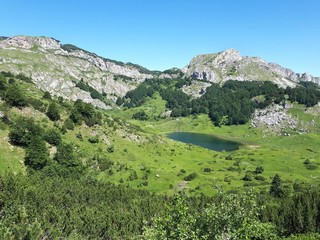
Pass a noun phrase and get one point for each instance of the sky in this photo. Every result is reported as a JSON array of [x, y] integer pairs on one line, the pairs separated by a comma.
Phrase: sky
[[161, 34]]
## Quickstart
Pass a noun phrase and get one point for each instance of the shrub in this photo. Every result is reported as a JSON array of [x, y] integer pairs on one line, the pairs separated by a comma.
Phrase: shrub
[[207, 170], [53, 112], [47, 95], [247, 177], [37, 153], [53, 137], [140, 116], [24, 130], [190, 177], [93, 139], [311, 166], [68, 124], [15, 97], [37, 104], [133, 175], [260, 178], [259, 170]]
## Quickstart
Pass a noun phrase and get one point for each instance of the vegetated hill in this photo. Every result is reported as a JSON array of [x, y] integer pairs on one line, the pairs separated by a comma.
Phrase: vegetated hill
[[74, 73], [230, 65], [58, 68], [81, 164]]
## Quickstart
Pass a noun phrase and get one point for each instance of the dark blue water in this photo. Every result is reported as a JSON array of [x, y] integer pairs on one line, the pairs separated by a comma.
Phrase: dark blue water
[[205, 140]]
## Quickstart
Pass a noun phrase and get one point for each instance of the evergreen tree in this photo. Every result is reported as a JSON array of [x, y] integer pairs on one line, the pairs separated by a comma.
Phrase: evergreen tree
[[37, 153], [66, 156], [15, 97], [52, 136], [24, 130], [276, 187], [53, 112]]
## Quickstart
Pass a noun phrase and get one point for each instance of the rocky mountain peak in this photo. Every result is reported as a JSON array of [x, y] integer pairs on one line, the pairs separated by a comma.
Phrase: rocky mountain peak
[[230, 55], [27, 42], [230, 65]]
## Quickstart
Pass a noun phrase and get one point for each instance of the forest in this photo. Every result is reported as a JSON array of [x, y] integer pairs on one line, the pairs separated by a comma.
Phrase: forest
[[230, 104], [60, 197]]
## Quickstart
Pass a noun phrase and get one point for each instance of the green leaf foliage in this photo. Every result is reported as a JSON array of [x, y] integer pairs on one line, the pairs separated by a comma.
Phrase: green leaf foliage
[[53, 112], [37, 154], [23, 130]]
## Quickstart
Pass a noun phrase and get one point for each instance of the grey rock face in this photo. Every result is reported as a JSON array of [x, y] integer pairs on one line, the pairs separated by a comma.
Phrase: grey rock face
[[56, 70], [230, 65]]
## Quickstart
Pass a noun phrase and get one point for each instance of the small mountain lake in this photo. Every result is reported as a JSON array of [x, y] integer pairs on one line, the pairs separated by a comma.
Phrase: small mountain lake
[[205, 140]]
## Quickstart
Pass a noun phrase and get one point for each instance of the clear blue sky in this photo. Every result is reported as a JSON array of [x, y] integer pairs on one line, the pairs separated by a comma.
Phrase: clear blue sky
[[168, 33]]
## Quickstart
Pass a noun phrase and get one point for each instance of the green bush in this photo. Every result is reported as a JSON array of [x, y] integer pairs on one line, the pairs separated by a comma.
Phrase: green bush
[[15, 97], [53, 112], [190, 177], [68, 124], [37, 154], [207, 170], [24, 130], [53, 137]]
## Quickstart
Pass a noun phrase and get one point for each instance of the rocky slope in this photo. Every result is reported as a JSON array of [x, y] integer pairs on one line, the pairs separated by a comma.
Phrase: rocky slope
[[56, 68], [230, 65]]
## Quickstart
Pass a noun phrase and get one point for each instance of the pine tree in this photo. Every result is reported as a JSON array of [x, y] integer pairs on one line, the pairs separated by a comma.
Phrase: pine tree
[[53, 112], [276, 187], [37, 153]]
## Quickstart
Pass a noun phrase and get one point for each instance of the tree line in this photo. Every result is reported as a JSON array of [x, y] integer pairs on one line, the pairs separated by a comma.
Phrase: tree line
[[230, 104]]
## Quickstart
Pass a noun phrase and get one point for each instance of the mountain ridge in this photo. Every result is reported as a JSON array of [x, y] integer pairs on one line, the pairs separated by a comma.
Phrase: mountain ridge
[[57, 68], [230, 65]]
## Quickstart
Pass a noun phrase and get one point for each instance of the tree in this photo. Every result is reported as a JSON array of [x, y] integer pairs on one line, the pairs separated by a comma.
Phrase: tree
[[68, 124], [230, 216], [53, 137], [176, 223], [37, 153], [46, 95], [66, 156], [141, 115], [53, 112], [276, 187], [3, 82], [15, 97], [24, 130], [259, 170]]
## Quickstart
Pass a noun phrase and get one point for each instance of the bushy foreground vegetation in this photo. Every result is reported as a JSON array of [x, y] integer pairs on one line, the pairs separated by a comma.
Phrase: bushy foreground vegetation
[[38, 206]]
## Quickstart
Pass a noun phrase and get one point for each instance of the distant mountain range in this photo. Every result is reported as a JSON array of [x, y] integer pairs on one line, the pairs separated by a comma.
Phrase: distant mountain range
[[57, 68]]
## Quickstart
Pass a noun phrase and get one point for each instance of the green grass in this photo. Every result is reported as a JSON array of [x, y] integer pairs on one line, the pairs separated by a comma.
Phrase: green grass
[[142, 147], [283, 155], [11, 157]]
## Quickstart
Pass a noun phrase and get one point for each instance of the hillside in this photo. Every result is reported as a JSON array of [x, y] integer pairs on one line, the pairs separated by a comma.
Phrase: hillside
[[74, 171], [63, 69], [57, 68]]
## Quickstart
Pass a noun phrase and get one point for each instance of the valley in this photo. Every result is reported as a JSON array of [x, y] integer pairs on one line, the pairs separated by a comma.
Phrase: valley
[[96, 131]]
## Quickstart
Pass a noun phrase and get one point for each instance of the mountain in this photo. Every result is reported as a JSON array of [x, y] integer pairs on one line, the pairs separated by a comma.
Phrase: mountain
[[57, 68], [230, 65], [73, 73]]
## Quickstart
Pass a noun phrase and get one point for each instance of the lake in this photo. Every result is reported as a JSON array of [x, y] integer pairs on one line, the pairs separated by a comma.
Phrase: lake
[[205, 140]]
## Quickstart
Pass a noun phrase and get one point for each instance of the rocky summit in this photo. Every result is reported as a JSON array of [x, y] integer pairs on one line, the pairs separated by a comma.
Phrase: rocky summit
[[230, 65], [57, 68]]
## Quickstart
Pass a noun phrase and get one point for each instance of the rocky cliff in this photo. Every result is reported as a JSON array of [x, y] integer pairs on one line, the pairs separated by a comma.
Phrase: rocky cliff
[[230, 65], [56, 68]]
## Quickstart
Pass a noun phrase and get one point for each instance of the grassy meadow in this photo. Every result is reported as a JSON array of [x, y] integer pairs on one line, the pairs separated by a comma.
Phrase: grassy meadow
[[138, 154]]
